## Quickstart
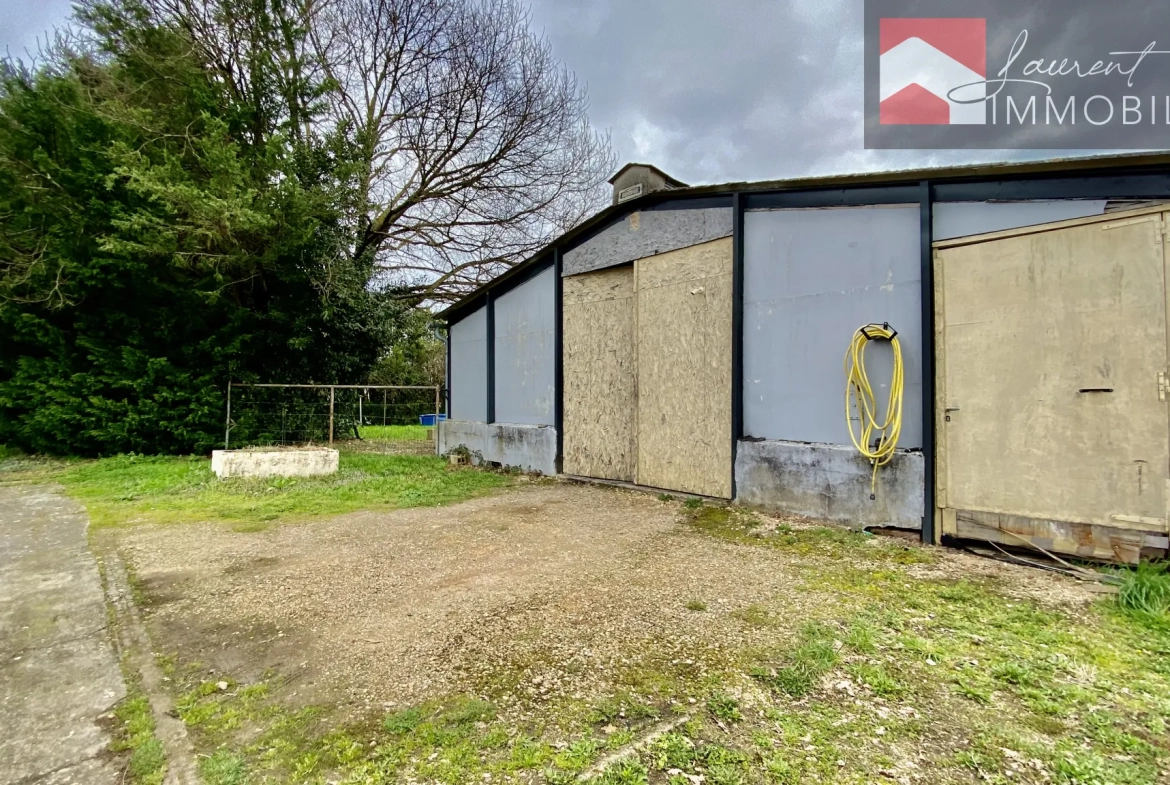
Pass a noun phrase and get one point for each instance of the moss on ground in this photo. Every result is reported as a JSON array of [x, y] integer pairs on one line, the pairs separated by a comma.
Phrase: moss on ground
[[743, 526]]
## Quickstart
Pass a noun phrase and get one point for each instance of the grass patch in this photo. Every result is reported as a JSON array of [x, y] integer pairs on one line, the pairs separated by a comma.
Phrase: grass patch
[[878, 679], [696, 605], [621, 707], [754, 615], [724, 707], [628, 771], [395, 433], [439, 741], [1145, 590], [815, 654], [223, 768], [134, 488], [135, 735]]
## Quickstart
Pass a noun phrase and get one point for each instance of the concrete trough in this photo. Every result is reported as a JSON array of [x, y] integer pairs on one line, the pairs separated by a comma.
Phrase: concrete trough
[[308, 462]]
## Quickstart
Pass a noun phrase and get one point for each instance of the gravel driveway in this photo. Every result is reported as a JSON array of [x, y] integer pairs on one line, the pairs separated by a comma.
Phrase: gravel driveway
[[548, 590]]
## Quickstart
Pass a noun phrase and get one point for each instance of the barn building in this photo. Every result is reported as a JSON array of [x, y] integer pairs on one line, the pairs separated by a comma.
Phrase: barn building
[[690, 339]]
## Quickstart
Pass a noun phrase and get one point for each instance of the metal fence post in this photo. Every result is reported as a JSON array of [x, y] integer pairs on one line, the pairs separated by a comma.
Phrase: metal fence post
[[331, 415], [437, 423], [227, 425], [384, 408]]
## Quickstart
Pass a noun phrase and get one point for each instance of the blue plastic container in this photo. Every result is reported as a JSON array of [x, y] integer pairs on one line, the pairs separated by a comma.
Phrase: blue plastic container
[[429, 419]]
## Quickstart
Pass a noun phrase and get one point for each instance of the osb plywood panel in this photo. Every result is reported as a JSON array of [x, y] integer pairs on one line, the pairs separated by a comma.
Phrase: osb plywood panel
[[600, 396], [684, 370], [1052, 343]]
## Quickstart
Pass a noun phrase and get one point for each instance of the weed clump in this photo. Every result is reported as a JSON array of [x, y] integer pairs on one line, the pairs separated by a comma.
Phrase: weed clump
[[1145, 590], [724, 707], [815, 655], [628, 771]]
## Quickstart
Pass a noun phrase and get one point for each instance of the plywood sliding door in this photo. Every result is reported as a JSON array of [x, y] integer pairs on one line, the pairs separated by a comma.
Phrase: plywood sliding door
[[600, 393], [1053, 342], [684, 369]]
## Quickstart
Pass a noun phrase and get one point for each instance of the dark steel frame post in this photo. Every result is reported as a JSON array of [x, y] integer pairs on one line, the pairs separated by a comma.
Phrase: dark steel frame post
[[736, 331], [447, 372], [926, 204], [559, 358], [491, 356]]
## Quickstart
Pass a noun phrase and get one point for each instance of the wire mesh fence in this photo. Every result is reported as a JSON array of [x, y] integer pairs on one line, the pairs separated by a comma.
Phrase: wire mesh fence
[[277, 415]]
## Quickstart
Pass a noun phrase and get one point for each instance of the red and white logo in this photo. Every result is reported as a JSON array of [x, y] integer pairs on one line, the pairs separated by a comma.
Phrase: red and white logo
[[923, 61]]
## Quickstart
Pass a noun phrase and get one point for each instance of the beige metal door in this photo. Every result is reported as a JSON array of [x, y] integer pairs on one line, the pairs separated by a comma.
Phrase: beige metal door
[[1053, 350]]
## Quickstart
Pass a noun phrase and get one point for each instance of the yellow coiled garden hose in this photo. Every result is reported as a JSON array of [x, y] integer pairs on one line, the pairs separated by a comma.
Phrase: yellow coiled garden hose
[[876, 441]]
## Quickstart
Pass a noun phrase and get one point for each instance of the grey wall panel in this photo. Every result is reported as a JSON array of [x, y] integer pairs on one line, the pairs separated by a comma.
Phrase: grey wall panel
[[962, 219], [525, 352], [812, 277], [647, 233], [469, 367]]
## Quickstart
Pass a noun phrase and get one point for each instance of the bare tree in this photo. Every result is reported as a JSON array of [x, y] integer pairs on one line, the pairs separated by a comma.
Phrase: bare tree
[[475, 145]]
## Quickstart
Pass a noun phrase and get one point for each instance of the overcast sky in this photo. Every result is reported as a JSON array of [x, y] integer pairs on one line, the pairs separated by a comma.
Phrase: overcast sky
[[708, 90]]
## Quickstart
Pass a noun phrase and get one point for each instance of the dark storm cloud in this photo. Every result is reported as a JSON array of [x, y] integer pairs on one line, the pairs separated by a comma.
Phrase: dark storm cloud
[[731, 90], [710, 90]]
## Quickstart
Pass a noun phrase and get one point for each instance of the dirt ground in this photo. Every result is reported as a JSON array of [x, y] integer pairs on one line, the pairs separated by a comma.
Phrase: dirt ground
[[550, 590]]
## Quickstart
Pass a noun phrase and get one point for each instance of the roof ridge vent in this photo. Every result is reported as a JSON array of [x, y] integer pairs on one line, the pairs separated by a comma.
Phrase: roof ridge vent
[[634, 180]]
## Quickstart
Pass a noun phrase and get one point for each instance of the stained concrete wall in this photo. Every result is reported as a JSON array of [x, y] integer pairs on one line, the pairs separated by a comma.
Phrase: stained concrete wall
[[532, 448], [811, 278], [830, 483], [647, 233], [525, 352], [273, 463], [469, 367], [962, 219]]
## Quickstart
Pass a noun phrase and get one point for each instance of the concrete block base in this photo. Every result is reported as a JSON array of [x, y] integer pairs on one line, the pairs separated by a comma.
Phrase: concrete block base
[[274, 463], [831, 483], [532, 448]]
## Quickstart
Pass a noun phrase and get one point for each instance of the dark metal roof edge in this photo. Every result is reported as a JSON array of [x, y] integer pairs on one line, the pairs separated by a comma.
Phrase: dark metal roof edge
[[966, 171], [900, 176]]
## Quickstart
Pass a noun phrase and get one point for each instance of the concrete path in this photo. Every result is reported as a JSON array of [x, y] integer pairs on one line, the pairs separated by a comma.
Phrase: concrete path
[[58, 669]]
